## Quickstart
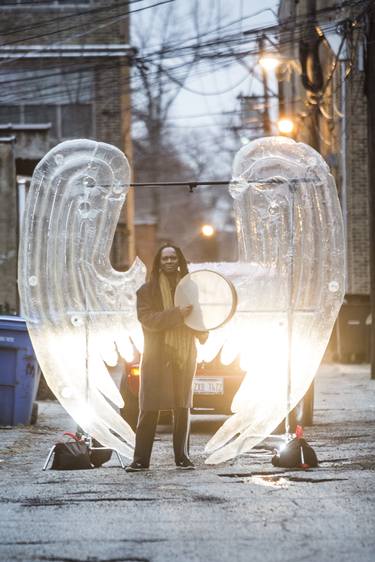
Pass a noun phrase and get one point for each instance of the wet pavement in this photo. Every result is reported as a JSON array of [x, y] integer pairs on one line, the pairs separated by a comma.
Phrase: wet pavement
[[238, 511]]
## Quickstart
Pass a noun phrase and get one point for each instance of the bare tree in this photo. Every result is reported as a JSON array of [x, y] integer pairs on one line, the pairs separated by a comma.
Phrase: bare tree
[[163, 152]]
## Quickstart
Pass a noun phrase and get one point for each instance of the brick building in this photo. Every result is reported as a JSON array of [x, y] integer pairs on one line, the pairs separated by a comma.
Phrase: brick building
[[21, 146], [323, 91], [8, 226], [65, 65]]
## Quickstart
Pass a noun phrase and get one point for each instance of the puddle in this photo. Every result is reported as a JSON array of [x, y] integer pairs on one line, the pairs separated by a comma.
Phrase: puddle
[[47, 558], [279, 482]]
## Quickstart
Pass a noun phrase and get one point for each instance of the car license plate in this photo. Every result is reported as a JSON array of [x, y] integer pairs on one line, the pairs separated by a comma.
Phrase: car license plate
[[208, 386]]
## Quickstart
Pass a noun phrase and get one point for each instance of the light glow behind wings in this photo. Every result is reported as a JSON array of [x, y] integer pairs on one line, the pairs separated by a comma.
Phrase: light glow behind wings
[[289, 280], [290, 227], [80, 312]]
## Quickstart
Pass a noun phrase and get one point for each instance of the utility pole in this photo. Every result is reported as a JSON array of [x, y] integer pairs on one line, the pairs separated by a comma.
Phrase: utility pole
[[312, 74], [128, 211], [266, 111], [370, 93]]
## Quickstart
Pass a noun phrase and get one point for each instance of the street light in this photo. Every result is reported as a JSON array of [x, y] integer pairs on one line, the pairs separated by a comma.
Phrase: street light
[[207, 230], [285, 126], [273, 61], [269, 62]]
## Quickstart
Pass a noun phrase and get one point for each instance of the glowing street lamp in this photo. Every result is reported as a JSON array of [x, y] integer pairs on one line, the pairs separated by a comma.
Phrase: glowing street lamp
[[269, 62], [207, 230], [272, 63], [285, 126]]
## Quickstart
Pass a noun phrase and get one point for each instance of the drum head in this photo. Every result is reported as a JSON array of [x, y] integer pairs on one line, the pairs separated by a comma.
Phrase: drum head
[[213, 297]]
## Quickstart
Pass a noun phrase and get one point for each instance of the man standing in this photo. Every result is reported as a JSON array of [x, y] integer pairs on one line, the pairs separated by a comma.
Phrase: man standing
[[169, 359]]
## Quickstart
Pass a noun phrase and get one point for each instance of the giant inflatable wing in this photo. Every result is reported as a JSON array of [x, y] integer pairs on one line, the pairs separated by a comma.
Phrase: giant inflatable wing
[[289, 279]]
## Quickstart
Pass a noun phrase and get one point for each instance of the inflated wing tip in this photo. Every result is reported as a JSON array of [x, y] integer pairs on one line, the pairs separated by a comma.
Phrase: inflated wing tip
[[107, 439], [112, 419], [101, 378]]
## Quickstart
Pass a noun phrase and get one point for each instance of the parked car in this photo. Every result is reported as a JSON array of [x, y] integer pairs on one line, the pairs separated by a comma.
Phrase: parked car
[[214, 387]]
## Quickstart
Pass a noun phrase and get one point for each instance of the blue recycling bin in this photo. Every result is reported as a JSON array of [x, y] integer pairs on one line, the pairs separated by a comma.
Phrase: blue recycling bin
[[19, 372]]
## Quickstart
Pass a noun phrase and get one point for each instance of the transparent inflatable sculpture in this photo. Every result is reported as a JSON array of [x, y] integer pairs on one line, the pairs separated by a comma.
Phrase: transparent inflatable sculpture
[[289, 280], [79, 310]]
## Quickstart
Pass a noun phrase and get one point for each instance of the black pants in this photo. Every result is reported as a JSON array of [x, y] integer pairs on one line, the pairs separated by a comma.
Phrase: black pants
[[145, 434]]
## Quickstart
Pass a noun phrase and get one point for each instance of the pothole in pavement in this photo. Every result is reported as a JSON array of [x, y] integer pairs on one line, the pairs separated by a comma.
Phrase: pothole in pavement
[[89, 559], [208, 499], [361, 463], [269, 481], [55, 502], [37, 502], [280, 480]]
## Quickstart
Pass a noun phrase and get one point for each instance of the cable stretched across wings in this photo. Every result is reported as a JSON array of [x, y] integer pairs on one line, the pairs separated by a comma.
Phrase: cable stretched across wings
[[81, 312]]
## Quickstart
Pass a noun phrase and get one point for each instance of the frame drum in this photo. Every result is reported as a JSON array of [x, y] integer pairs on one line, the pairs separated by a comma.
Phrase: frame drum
[[213, 297]]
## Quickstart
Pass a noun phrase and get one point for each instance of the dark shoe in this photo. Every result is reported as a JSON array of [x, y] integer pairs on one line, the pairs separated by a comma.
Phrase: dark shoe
[[136, 467], [185, 463]]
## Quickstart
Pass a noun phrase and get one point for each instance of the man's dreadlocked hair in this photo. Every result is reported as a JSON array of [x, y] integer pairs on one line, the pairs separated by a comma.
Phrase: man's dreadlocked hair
[[154, 275]]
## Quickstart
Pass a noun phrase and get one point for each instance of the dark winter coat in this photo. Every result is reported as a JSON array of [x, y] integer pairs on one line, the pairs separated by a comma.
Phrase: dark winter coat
[[161, 388]]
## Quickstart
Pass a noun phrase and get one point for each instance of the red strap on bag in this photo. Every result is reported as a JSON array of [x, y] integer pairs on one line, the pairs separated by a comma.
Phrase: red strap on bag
[[72, 435]]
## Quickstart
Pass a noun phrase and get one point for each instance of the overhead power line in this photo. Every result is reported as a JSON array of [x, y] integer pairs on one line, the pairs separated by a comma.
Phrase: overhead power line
[[178, 48], [63, 16], [59, 31], [214, 48]]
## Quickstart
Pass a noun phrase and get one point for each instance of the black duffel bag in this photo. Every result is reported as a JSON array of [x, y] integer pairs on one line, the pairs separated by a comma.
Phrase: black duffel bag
[[99, 456], [296, 454], [71, 455]]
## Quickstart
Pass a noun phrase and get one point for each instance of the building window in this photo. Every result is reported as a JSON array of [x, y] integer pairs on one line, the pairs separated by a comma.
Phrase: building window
[[37, 114], [48, 86], [76, 120], [10, 114], [62, 97], [67, 120]]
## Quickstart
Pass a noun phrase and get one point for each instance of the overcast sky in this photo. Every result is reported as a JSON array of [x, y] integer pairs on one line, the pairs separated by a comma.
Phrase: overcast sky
[[229, 82], [211, 89]]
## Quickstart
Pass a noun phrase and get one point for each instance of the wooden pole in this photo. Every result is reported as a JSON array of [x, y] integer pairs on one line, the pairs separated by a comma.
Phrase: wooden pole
[[127, 147], [370, 93], [266, 110]]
